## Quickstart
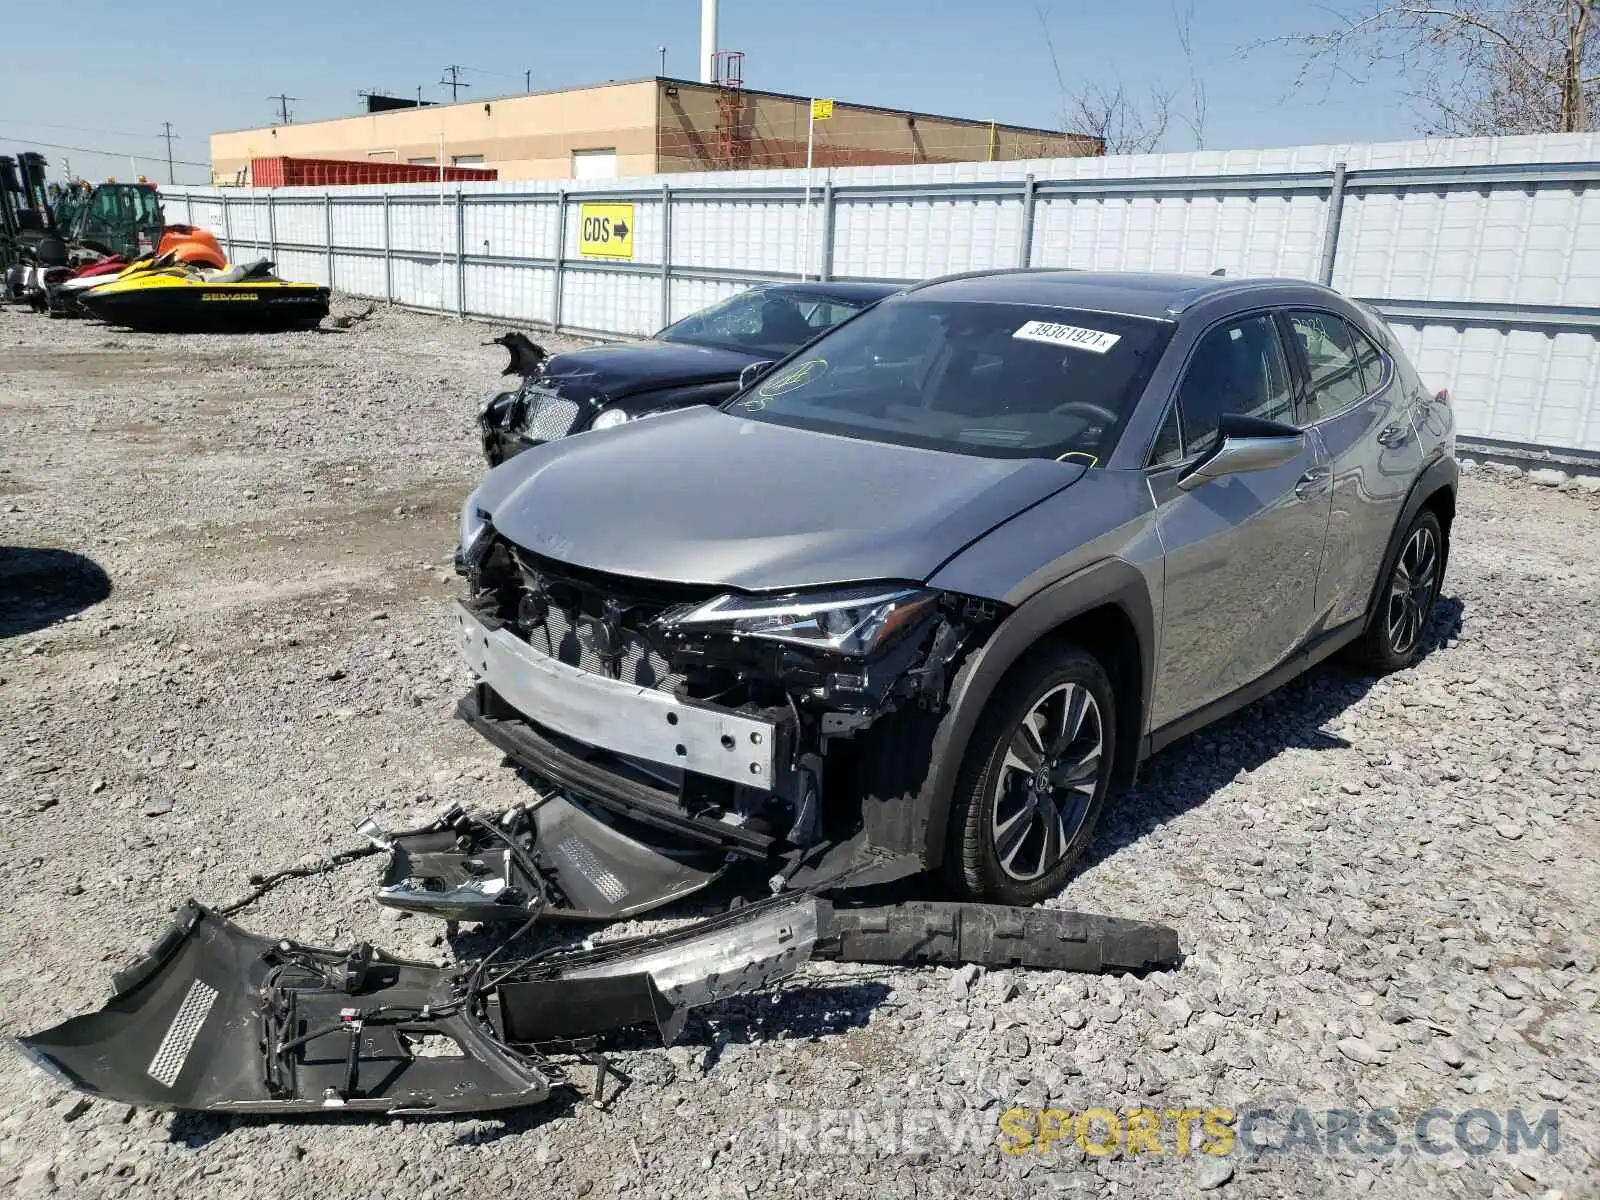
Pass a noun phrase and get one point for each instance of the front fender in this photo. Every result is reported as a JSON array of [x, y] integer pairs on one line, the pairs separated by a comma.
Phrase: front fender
[[1110, 582]]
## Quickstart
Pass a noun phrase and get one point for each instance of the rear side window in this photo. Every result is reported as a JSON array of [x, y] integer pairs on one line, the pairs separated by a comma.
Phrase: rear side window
[[1330, 351], [1238, 368], [1371, 360]]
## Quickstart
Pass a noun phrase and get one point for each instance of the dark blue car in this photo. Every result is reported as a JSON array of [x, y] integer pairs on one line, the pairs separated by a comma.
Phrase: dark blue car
[[698, 360]]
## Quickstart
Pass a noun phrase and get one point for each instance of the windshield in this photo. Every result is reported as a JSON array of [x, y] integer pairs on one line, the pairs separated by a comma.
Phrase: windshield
[[1003, 380], [770, 321]]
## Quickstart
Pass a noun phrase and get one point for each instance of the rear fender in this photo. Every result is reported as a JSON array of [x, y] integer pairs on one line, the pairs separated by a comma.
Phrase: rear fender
[[1442, 474]]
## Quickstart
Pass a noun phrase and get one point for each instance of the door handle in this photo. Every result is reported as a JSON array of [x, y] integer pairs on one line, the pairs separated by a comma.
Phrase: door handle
[[1313, 483], [1393, 435]]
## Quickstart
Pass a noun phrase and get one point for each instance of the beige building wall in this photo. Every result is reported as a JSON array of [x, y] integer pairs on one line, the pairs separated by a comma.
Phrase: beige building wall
[[524, 137], [652, 125]]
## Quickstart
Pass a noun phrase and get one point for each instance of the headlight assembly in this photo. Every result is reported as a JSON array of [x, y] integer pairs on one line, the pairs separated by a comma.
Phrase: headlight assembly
[[473, 522], [495, 401], [852, 621], [610, 418]]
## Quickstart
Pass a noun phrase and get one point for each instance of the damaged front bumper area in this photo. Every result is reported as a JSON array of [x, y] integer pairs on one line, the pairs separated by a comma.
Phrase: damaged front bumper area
[[216, 1019], [734, 722]]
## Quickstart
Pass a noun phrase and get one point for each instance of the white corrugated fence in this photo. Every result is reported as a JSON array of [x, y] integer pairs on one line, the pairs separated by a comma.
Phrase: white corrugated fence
[[1483, 252]]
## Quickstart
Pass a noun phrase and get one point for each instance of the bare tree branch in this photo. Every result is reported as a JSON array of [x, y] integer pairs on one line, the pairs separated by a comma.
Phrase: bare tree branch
[[1478, 66], [1183, 23], [1127, 122]]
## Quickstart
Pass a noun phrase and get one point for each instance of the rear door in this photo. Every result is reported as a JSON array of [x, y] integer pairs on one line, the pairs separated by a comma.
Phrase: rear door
[[1355, 404], [1241, 551]]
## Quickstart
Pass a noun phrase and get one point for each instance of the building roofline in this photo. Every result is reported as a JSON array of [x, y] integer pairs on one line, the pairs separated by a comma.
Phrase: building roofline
[[439, 106], [972, 122]]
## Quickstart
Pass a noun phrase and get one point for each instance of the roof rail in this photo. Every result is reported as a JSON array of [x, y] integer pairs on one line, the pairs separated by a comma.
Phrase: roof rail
[[986, 273]]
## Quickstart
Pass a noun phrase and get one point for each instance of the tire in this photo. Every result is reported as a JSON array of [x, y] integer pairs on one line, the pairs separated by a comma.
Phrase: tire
[[1404, 606], [987, 858]]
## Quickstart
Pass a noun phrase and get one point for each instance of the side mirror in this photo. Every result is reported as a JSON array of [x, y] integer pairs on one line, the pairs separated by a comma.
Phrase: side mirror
[[1245, 444], [754, 371]]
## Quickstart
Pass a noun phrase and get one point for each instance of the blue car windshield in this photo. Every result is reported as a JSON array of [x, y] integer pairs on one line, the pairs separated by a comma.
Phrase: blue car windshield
[[974, 377]]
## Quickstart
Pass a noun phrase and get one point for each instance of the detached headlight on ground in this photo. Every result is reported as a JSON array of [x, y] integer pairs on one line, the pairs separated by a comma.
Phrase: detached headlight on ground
[[610, 418], [853, 621]]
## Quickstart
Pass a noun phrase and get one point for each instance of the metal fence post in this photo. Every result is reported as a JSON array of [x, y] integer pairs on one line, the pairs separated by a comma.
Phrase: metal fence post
[[227, 226], [825, 269], [1330, 235], [327, 225], [272, 227], [461, 255], [1025, 250], [666, 255], [561, 254], [388, 255]]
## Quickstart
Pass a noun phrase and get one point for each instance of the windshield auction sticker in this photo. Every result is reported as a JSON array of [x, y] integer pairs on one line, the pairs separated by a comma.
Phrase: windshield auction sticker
[[1071, 336]]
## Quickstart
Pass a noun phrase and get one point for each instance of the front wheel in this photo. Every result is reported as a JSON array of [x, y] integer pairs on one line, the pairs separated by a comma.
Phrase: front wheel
[[1034, 779], [1405, 603]]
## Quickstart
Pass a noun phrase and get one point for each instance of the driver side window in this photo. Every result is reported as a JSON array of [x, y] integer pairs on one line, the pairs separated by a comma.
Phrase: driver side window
[[1238, 368]]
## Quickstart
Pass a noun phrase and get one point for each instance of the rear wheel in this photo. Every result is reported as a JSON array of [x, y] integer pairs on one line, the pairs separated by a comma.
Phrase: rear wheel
[[1405, 602], [1034, 779]]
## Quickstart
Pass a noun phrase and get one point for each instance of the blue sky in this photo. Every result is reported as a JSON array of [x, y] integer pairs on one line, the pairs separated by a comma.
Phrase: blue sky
[[985, 60]]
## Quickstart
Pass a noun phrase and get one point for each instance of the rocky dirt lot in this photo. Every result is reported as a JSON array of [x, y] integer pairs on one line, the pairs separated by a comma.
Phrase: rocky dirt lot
[[224, 574]]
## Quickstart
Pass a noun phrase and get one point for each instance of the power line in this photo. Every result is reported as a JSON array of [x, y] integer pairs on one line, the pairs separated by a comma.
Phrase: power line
[[166, 132], [87, 129], [283, 106], [11, 137], [454, 82]]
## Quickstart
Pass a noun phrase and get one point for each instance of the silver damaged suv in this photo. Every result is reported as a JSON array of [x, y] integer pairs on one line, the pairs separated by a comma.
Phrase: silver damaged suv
[[924, 593]]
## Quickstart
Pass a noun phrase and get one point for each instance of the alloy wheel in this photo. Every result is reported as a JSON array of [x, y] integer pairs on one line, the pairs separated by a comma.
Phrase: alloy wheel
[[1047, 781], [1416, 573]]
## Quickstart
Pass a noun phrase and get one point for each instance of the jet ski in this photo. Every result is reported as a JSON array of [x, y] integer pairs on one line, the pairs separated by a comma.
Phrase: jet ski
[[244, 299], [63, 296]]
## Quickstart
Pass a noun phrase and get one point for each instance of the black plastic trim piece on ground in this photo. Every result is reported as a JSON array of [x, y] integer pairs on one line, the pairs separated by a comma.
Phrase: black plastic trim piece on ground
[[992, 935]]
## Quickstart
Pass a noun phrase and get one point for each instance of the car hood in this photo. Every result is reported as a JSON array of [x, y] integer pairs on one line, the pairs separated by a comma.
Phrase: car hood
[[627, 367], [702, 496]]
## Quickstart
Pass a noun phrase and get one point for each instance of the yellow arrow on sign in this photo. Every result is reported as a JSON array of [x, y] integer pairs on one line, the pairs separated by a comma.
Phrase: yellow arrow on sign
[[821, 110]]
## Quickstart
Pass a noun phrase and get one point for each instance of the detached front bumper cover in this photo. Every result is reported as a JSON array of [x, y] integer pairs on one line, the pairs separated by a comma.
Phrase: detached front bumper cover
[[216, 1019]]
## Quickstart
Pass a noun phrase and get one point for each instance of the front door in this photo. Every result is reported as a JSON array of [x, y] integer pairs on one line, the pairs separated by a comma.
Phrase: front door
[[1241, 551]]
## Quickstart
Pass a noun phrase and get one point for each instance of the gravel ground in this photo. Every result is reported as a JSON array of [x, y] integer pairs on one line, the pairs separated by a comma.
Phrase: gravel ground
[[225, 643]]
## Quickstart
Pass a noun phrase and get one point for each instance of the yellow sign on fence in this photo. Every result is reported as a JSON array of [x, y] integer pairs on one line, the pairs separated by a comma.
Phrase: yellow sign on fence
[[821, 110], [605, 230]]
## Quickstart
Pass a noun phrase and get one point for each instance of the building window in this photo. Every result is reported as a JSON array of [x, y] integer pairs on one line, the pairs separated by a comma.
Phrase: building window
[[594, 164], [430, 161], [467, 160], [384, 155]]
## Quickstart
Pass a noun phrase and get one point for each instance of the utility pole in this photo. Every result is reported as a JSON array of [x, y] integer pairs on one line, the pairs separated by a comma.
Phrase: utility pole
[[166, 132], [527, 81], [454, 82], [283, 107]]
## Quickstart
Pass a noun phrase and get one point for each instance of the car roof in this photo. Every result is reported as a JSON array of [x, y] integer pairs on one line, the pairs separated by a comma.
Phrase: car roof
[[839, 289], [1134, 293]]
